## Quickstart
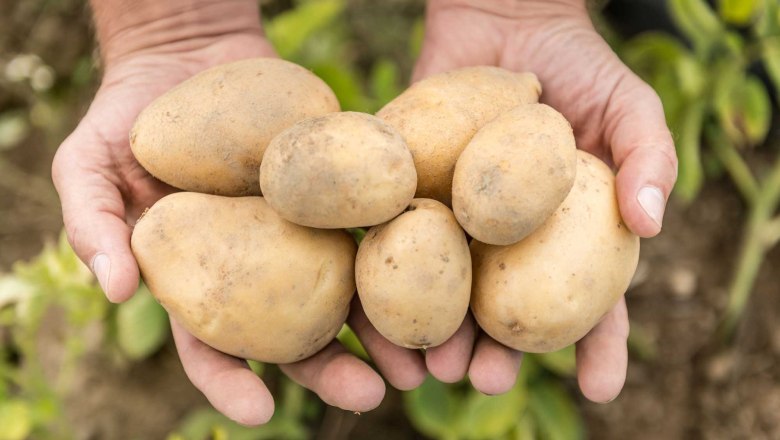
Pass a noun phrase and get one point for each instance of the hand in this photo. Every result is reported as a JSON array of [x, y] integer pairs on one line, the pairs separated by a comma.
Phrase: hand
[[615, 116], [103, 190]]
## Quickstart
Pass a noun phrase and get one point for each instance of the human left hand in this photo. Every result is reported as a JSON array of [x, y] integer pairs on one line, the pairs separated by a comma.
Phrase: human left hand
[[614, 114]]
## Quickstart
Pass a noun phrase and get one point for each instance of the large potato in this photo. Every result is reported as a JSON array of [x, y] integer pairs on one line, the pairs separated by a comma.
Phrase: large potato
[[550, 289], [209, 133], [341, 170], [414, 275], [514, 173], [243, 280], [439, 115]]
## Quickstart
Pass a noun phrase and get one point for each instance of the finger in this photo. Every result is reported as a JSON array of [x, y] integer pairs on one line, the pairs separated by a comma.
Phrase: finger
[[494, 367], [339, 378], [403, 368], [94, 214], [227, 382], [643, 150], [602, 356], [449, 361]]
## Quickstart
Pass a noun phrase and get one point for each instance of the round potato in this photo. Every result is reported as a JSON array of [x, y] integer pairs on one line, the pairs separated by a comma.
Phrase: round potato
[[341, 170], [550, 289], [514, 173], [414, 275], [242, 279], [209, 133], [439, 115]]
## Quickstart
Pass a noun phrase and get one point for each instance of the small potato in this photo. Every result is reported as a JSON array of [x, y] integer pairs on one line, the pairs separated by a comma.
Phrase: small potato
[[550, 289], [514, 173], [414, 276], [439, 115], [341, 170], [209, 133], [243, 280]]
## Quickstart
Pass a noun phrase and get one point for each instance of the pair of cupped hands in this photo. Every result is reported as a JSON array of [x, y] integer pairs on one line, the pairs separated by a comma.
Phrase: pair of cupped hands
[[614, 114]]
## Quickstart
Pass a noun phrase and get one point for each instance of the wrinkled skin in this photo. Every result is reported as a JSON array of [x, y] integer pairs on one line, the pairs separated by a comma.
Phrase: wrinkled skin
[[103, 190], [614, 114]]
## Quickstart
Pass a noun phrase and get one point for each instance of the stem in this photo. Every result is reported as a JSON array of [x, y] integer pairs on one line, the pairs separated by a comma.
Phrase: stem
[[757, 241], [734, 163]]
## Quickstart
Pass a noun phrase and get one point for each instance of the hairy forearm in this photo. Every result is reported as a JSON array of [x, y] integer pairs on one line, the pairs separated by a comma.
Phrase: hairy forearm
[[126, 27]]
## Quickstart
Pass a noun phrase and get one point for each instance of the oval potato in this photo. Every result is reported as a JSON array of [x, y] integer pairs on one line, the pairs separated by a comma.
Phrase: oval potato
[[439, 115], [208, 134], [514, 174], [414, 275], [341, 170], [242, 279], [550, 289]]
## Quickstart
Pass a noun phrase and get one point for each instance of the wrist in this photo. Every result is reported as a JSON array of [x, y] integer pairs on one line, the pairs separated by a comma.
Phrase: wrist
[[127, 28], [514, 9]]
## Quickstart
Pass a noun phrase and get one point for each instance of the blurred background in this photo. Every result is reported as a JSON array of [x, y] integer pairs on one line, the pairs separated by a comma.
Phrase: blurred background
[[704, 304]]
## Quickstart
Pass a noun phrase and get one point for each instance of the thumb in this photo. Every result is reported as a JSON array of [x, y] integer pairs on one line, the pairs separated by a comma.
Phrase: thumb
[[644, 153], [93, 211]]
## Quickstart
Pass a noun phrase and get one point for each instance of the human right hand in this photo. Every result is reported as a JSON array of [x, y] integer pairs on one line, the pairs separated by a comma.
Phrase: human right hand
[[103, 190]]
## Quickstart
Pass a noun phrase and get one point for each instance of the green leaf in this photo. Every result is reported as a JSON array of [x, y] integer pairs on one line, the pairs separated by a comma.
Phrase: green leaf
[[488, 417], [385, 82], [691, 76], [770, 56], [757, 107], [768, 24], [142, 325], [739, 12], [345, 84], [15, 420], [554, 412], [433, 409], [416, 38], [525, 429], [357, 233], [351, 342], [290, 30], [688, 129], [698, 22], [562, 362], [203, 424]]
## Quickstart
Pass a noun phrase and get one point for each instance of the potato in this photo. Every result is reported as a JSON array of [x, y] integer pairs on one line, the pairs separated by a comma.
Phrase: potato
[[514, 173], [550, 289], [209, 133], [414, 275], [439, 115], [341, 170], [243, 280]]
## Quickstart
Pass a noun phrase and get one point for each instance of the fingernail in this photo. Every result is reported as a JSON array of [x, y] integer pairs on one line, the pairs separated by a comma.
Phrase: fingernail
[[101, 267], [651, 199]]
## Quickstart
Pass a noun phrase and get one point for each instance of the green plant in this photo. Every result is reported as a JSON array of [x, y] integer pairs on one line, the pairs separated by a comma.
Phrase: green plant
[[538, 406], [719, 109]]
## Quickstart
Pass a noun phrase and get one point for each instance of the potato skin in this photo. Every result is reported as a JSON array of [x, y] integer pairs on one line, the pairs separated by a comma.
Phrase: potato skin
[[341, 170], [439, 115], [208, 134], [550, 289], [243, 280], [414, 275], [514, 174]]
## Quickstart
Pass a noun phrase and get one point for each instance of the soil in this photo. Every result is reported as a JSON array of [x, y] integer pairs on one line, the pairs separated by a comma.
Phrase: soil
[[682, 382]]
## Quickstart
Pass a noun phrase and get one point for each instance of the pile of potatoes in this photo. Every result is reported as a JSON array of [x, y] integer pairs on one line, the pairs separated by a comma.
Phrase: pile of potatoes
[[253, 257]]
